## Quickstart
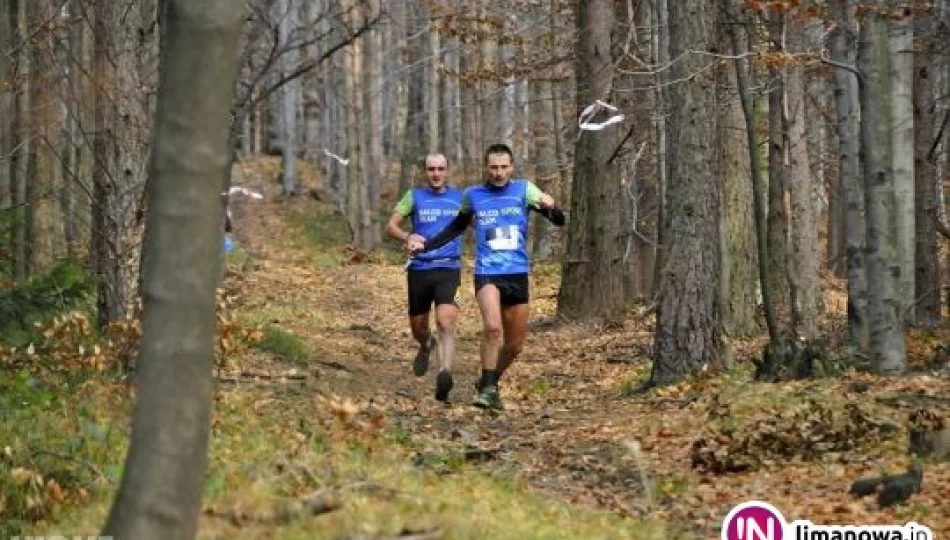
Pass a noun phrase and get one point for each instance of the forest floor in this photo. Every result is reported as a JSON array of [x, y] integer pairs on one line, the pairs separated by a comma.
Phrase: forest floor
[[322, 431]]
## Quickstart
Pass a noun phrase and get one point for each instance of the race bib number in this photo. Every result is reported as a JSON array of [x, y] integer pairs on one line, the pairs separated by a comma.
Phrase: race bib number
[[503, 238]]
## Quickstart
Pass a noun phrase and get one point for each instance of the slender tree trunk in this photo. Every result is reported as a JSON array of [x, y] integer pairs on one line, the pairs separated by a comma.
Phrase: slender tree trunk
[[289, 96], [375, 165], [844, 52], [357, 194], [434, 105], [661, 46], [803, 263], [491, 93], [7, 110], [738, 257], [450, 120], [22, 143], [414, 131], [160, 492], [902, 111], [778, 172], [687, 330], [105, 228], [471, 138], [758, 189], [592, 276], [816, 136], [546, 175], [888, 350], [927, 308]]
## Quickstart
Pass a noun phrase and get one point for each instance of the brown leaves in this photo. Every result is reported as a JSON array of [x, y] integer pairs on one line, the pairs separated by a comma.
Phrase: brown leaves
[[809, 432]]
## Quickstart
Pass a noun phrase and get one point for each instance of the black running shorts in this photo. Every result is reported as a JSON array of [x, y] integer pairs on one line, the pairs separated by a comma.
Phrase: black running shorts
[[513, 287], [439, 285]]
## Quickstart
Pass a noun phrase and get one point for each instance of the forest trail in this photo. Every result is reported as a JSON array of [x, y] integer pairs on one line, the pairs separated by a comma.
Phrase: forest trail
[[571, 428]]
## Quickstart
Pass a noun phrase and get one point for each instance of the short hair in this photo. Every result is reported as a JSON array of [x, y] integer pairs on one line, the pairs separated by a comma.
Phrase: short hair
[[499, 148], [425, 160]]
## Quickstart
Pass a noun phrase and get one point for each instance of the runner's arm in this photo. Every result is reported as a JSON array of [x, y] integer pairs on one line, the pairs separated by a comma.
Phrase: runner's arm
[[403, 209], [554, 214], [544, 204], [452, 230]]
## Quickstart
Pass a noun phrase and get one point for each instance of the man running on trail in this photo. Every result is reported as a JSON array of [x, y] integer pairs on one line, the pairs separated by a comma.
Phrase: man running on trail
[[434, 277], [499, 208]]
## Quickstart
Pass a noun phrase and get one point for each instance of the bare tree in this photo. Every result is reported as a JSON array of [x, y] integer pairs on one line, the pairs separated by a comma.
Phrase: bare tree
[[902, 122], [7, 109], [844, 54], [289, 95], [888, 350], [687, 328], [927, 312], [777, 170], [803, 262], [160, 493], [592, 274]]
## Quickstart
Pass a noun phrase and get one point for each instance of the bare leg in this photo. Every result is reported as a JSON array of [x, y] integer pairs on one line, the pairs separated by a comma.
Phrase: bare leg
[[445, 317], [489, 303], [515, 326], [419, 324], [420, 330]]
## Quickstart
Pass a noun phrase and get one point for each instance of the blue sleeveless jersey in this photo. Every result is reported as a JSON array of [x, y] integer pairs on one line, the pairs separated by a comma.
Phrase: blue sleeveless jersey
[[432, 212], [501, 223]]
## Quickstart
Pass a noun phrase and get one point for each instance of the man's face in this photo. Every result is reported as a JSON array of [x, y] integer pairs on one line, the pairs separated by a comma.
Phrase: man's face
[[498, 167], [436, 172]]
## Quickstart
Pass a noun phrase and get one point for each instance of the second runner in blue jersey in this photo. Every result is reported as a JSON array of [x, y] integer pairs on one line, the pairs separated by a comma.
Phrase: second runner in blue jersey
[[431, 212]]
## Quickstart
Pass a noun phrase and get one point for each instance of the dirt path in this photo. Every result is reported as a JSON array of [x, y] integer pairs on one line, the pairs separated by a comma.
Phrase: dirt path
[[568, 428]]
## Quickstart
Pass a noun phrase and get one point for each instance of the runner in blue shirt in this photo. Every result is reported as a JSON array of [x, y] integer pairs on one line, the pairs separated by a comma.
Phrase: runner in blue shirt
[[499, 208], [433, 277]]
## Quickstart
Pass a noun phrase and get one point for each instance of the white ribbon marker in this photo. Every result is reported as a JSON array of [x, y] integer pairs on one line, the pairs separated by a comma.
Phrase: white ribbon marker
[[345, 162], [584, 121], [238, 190]]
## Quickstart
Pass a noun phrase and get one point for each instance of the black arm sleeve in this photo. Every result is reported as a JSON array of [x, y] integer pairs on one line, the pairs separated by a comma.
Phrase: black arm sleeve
[[554, 215], [446, 235]]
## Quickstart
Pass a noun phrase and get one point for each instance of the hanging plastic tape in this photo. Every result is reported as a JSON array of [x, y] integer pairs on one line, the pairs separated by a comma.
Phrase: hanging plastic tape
[[584, 121]]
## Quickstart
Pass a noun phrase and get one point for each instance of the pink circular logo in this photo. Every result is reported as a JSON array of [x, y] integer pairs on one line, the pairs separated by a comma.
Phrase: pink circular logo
[[753, 520]]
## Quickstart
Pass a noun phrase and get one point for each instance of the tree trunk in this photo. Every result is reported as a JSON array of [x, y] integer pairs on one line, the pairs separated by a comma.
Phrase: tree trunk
[[105, 230], [778, 172], [758, 189], [888, 350], [546, 174], [289, 95], [927, 277], [375, 166], [450, 120], [844, 52], [7, 110], [471, 138], [357, 194], [738, 257], [661, 47], [803, 263], [491, 93], [902, 111], [433, 100], [160, 492], [592, 276], [47, 245], [414, 130], [687, 330], [22, 142], [507, 97]]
